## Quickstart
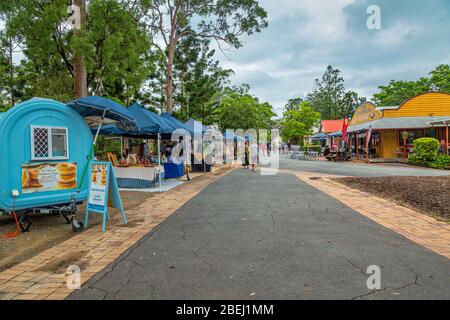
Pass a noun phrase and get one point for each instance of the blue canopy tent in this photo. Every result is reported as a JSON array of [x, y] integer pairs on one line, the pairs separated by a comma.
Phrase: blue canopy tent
[[232, 136], [177, 123], [193, 124], [180, 125], [151, 123], [98, 111], [319, 136], [335, 134]]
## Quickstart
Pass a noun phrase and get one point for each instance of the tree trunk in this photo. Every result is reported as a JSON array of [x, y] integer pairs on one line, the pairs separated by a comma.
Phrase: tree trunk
[[79, 63], [11, 72], [169, 81]]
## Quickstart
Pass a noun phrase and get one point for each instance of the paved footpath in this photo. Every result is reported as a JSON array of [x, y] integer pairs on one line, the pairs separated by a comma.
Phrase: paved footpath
[[247, 236], [44, 275]]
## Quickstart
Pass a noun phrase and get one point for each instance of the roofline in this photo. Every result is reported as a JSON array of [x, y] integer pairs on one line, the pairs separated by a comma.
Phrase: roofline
[[362, 103], [387, 108], [421, 94]]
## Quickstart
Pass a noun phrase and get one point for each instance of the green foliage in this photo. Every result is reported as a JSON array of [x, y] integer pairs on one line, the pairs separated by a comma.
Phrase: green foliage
[[223, 21], [440, 77], [330, 98], [243, 111], [312, 147], [293, 104], [396, 92], [116, 48], [297, 123], [425, 151], [198, 80], [441, 162], [105, 146]]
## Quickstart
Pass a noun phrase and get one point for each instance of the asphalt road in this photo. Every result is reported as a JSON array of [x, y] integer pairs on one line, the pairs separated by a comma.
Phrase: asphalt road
[[358, 169], [248, 236]]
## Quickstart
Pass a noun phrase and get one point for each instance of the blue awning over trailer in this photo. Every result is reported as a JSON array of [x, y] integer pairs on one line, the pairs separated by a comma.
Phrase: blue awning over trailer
[[92, 108]]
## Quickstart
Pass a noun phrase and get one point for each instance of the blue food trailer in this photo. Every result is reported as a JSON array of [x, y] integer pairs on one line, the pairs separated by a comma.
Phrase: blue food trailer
[[43, 150]]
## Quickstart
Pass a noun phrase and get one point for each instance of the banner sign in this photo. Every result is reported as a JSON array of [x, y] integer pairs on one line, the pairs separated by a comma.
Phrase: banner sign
[[369, 135], [103, 192], [44, 177], [344, 129]]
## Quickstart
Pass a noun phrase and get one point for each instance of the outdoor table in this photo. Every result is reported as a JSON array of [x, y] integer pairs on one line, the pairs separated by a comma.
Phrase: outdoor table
[[142, 173], [173, 170]]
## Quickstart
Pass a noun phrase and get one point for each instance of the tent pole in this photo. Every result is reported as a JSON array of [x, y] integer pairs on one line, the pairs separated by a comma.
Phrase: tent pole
[[159, 161], [91, 152], [186, 145]]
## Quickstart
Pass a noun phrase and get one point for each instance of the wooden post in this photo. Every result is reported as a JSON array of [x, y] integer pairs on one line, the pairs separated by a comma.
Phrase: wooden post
[[357, 145], [404, 148], [446, 138], [79, 64], [367, 146]]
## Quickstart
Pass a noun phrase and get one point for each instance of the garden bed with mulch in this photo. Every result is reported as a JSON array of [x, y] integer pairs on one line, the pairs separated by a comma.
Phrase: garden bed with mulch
[[429, 195]]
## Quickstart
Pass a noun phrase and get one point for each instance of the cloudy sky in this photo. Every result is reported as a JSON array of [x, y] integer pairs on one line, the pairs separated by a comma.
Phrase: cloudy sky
[[304, 36]]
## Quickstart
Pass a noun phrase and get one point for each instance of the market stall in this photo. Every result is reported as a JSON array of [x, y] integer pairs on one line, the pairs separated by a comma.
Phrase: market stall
[[138, 168]]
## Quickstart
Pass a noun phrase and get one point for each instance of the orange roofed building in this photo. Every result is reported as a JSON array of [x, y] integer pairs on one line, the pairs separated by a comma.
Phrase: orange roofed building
[[330, 126]]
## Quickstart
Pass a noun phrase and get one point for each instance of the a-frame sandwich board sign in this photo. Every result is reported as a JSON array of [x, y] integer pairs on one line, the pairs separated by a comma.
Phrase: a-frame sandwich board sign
[[103, 192]]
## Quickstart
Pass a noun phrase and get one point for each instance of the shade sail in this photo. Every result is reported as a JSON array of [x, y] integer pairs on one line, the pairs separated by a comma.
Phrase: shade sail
[[92, 108], [176, 123]]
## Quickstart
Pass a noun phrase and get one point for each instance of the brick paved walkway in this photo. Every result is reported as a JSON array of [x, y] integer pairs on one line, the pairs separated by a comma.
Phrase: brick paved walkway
[[44, 276], [418, 227]]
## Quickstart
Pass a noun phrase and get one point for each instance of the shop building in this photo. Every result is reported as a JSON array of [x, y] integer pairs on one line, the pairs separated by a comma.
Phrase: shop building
[[387, 133]]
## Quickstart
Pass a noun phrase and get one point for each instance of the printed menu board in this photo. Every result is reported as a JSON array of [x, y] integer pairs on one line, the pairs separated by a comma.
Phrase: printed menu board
[[43, 177], [99, 178]]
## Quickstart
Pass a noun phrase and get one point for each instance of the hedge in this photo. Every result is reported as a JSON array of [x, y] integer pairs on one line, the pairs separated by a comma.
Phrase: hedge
[[425, 151], [441, 162]]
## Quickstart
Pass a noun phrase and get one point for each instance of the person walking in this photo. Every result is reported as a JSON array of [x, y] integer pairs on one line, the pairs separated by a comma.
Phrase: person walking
[[254, 155], [246, 155]]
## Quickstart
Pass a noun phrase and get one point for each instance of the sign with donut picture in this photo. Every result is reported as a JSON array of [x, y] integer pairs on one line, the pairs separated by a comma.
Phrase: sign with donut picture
[[44, 177], [99, 179]]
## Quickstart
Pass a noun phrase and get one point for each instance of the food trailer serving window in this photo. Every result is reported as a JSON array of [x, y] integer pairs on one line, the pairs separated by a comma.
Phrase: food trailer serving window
[[49, 143]]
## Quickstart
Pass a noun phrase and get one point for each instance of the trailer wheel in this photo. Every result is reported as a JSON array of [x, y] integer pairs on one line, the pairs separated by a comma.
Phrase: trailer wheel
[[25, 223], [77, 226], [68, 218]]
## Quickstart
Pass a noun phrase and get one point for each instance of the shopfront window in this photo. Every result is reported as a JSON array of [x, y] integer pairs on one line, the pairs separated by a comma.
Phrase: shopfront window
[[412, 135], [430, 133]]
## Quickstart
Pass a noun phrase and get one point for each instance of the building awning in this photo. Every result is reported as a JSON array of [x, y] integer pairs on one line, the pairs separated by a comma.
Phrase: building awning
[[319, 136], [398, 123], [440, 123]]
